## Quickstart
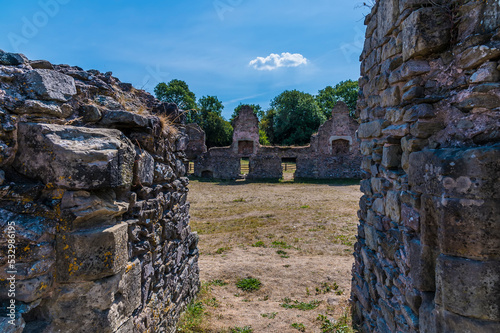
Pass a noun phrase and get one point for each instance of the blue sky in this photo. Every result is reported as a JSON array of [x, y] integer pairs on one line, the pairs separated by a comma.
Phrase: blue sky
[[213, 45]]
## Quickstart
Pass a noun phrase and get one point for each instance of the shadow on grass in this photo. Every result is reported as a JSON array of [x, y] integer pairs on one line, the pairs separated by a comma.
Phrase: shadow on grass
[[331, 182]]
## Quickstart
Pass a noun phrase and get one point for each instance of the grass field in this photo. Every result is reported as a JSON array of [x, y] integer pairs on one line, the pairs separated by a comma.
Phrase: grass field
[[293, 240]]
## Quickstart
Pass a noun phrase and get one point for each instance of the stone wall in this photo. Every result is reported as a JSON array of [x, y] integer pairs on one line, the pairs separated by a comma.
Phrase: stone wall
[[428, 255], [333, 152], [92, 187]]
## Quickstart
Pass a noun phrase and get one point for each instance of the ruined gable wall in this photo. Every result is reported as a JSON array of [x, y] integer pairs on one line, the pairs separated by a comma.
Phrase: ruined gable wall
[[319, 160], [427, 256], [92, 187]]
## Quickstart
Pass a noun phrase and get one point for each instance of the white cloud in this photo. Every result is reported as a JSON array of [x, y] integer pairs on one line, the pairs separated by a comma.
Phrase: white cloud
[[274, 61]]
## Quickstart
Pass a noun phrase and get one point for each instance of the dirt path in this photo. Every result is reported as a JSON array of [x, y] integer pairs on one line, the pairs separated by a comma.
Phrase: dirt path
[[296, 239]]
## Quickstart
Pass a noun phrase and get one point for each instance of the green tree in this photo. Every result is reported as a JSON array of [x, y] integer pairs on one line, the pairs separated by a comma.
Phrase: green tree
[[208, 115], [176, 91], [297, 116], [266, 125], [346, 91]]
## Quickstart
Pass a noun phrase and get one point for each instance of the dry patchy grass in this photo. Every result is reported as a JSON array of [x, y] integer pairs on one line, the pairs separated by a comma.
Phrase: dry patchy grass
[[296, 239]]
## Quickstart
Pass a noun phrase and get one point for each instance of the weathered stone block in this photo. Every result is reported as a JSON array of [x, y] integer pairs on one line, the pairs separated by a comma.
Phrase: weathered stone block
[[90, 113], [393, 206], [470, 228], [372, 129], [87, 209], [387, 15], [477, 55], [455, 323], [479, 100], [104, 305], [423, 129], [390, 96], [422, 262], [396, 131], [12, 59], [488, 72], [144, 168], [126, 119], [419, 111], [469, 173], [91, 254], [410, 217], [391, 157], [425, 31], [41, 108], [49, 85], [371, 237], [412, 68], [75, 157], [378, 206], [469, 288]]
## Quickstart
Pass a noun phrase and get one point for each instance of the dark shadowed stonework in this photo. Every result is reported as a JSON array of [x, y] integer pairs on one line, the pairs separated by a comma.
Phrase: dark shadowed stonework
[[92, 182], [333, 152], [428, 252]]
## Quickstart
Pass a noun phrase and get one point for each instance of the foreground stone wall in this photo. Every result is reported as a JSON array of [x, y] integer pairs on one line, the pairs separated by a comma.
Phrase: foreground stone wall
[[92, 187], [333, 152], [428, 252]]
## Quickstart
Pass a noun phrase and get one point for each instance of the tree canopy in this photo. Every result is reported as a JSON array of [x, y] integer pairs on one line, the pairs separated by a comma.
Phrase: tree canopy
[[208, 115], [176, 91], [345, 91], [297, 116]]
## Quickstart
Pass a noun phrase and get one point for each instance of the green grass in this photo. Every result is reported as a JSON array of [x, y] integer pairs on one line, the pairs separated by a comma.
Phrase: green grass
[[344, 240], [299, 326], [326, 288], [239, 200], [249, 284], [217, 282], [304, 206], [221, 250], [271, 315], [342, 325], [259, 244], [283, 254], [289, 304], [246, 329], [192, 318], [281, 244]]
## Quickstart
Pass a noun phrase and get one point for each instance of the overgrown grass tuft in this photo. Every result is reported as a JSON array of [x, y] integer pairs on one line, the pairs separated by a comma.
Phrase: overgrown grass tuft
[[289, 304], [249, 284]]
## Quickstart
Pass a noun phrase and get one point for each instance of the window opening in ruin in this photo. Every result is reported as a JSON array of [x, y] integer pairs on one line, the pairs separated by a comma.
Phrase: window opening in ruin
[[244, 166], [207, 174], [340, 146], [245, 147], [289, 166]]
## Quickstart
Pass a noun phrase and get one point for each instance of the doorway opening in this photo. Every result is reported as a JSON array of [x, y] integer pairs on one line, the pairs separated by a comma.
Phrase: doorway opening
[[289, 166]]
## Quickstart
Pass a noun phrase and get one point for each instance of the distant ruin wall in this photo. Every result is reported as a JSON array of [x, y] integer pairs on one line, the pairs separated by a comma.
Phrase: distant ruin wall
[[93, 204], [428, 252], [333, 152]]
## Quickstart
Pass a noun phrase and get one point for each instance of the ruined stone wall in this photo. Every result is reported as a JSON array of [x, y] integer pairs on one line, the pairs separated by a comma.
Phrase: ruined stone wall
[[428, 252], [92, 187], [333, 152]]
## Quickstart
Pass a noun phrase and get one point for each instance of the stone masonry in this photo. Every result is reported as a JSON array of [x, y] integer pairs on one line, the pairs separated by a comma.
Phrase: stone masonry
[[92, 187], [333, 152], [428, 252]]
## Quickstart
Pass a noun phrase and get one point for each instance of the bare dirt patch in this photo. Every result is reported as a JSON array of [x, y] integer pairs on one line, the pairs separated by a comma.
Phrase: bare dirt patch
[[296, 239]]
